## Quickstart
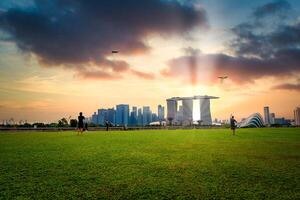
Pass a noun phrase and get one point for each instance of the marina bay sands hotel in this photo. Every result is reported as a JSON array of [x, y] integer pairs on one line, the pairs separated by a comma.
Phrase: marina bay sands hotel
[[185, 113]]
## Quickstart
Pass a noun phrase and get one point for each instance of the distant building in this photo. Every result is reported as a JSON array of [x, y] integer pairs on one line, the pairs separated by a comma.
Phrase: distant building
[[297, 116], [187, 111], [179, 116], [146, 115], [281, 121], [267, 115], [133, 119], [205, 114], [140, 117], [154, 117], [161, 112], [102, 116], [272, 118], [122, 114], [111, 115], [95, 118], [172, 109], [253, 121]]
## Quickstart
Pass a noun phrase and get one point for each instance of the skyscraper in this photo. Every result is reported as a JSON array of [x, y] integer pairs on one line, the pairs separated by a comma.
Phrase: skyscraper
[[95, 118], [272, 118], [172, 109], [161, 112], [154, 117], [133, 116], [179, 115], [140, 117], [122, 114], [297, 116], [205, 115], [102, 116], [111, 115], [187, 111], [146, 115], [267, 115]]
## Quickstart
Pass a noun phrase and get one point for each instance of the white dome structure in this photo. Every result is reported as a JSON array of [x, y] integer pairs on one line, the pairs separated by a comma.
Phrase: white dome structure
[[253, 121]]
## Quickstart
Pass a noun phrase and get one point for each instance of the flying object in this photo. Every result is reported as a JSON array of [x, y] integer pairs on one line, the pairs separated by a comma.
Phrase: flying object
[[222, 78], [114, 51]]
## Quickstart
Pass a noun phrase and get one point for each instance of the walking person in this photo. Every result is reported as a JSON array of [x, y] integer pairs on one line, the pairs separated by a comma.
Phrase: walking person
[[107, 125], [233, 124], [80, 123]]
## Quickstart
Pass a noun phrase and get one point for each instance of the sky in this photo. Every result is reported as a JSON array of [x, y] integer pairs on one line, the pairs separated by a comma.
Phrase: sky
[[56, 56]]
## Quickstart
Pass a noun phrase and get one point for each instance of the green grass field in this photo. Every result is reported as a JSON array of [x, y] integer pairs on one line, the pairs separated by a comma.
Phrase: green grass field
[[157, 164]]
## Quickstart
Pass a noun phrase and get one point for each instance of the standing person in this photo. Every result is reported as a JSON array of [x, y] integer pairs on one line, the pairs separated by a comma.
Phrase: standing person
[[107, 125], [80, 123], [232, 124]]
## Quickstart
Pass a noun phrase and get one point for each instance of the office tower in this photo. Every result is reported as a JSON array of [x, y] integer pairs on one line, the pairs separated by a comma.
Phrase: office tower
[[267, 115], [187, 111], [111, 115], [179, 115], [122, 114], [161, 112], [133, 116], [205, 114], [146, 115], [102, 116], [95, 118], [272, 118], [297, 116], [140, 117], [154, 117], [172, 109]]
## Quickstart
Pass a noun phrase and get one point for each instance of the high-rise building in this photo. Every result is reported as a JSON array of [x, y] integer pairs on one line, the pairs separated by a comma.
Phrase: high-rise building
[[140, 117], [133, 116], [205, 114], [122, 114], [297, 116], [179, 115], [267, 115], [111, 115], [161, 112], [154, 117], [146, 115], [95, 118], [172, 109], [187, 111], [272, 118], [102, 116]]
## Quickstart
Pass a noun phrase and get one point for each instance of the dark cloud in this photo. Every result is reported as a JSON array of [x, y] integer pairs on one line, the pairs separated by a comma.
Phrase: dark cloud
[[278, 7], [258, 51], [239, 69], [264, 37], [80, 33], [288, 86]]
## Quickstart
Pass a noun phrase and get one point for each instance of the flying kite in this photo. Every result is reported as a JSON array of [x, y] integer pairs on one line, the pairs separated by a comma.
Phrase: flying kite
[[222, 78]]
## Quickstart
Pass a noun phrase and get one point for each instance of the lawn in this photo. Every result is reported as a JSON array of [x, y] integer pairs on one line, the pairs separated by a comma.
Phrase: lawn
[[152, 164]]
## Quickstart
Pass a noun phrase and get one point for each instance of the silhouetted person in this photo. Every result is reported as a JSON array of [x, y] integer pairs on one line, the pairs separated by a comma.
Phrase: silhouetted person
[[232, 124], [107, 125], [80, 123]]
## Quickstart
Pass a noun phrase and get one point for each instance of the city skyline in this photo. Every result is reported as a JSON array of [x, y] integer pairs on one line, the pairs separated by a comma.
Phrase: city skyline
[[52, 67]]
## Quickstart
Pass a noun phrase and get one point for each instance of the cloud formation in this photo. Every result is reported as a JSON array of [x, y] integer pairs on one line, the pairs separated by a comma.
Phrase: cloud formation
[[78, 33], [288, 86], [257, 52], [278, 7]]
